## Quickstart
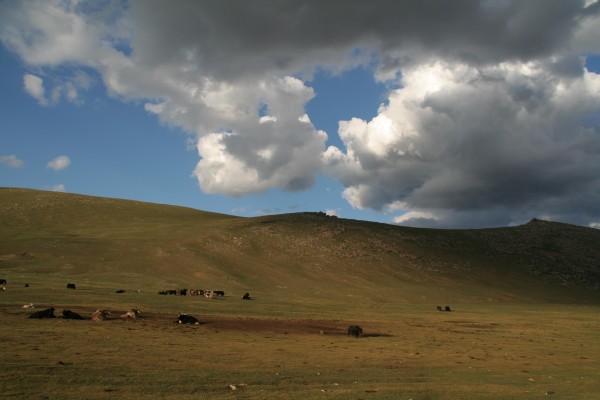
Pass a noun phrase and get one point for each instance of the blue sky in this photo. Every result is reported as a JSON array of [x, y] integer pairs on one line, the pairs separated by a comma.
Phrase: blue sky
[[476, 115], [117, 149]]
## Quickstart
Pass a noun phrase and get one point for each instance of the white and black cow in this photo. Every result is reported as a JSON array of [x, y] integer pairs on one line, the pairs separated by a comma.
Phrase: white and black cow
[[132, 314], [187, 319]]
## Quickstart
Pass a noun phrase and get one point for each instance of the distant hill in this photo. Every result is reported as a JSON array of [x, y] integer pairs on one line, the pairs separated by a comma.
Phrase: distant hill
[[297, 254]]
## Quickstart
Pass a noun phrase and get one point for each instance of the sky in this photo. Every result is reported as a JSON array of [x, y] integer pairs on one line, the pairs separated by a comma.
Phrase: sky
[[462, 114]]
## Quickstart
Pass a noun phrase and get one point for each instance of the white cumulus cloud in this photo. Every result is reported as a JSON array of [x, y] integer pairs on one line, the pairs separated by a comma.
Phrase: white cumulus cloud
[[12, 161], [498, 140], [58, 188], [34, 86], [59, 163]]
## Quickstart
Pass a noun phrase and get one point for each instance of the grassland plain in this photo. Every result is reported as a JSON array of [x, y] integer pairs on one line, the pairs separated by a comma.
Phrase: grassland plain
[[517, 330]]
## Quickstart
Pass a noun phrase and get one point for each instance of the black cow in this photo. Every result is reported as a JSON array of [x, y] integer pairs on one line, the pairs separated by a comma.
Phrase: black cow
[[246, 296], [354, 330], [219, 293], [68, 314], [187, 319], [47, 313], [71, 286], [173, 292], [447, 308], [120, 291], [2, 282], [183, 292]]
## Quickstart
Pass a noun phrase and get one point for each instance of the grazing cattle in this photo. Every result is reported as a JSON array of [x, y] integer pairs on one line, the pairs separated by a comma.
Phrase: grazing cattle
[[246, 296], [2, 288], [187, 319], [219, 292], [172, 292], [439, 308], [120, 291], [27, 306], [132, 314], [355, 330], [71, 286], [209, 294], [183, 292], [47, 313], [3, 282], [68, 314], [447, 308], [163, 292], [100, 315]]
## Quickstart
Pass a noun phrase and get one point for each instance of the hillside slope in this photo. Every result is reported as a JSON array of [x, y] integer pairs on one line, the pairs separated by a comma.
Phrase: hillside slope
[[75, 236]]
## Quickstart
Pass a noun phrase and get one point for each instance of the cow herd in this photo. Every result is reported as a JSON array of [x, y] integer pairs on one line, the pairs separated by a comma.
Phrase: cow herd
[[134, 313], [209, 294], [103, 314], [98, 315]]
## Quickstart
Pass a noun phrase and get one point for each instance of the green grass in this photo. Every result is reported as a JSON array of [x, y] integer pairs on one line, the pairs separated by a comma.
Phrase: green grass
[[516, 332], [492, 351]]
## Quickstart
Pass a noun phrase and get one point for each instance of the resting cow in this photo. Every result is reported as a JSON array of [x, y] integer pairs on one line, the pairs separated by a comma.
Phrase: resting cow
[[354, 330], [219, 292], [68, 314], [100, 315], [70, 286], [2, 282], [131, 314], [246, 296], [47, 313], [187, 319]]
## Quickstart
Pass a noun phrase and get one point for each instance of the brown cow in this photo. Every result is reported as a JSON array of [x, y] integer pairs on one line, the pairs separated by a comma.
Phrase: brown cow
[[100, 315]]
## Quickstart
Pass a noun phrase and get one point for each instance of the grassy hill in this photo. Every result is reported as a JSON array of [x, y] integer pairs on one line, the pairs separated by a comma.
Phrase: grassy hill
[[131, 244], [524, 323]]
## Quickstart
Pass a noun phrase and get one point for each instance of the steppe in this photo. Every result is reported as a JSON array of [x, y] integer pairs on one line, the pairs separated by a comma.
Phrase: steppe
[[525, 300]]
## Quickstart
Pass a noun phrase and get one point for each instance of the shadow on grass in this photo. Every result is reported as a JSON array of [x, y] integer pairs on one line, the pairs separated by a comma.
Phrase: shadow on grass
[[367, 335]]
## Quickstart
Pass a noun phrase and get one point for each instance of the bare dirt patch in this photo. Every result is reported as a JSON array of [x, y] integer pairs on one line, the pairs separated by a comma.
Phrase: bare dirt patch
[[274, 326]]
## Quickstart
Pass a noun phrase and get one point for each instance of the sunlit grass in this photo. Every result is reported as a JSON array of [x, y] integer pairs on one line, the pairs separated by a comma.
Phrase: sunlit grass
[[491, 351]]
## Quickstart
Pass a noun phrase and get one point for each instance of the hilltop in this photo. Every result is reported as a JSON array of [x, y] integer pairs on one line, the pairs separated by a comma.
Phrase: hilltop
[[76, 236]]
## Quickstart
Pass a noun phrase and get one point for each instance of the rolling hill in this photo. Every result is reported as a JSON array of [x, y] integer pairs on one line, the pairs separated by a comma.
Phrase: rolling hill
[[68, 236]]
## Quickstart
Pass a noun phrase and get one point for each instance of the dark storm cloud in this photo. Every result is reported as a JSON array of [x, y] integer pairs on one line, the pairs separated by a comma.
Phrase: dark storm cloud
[[229, 39]]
